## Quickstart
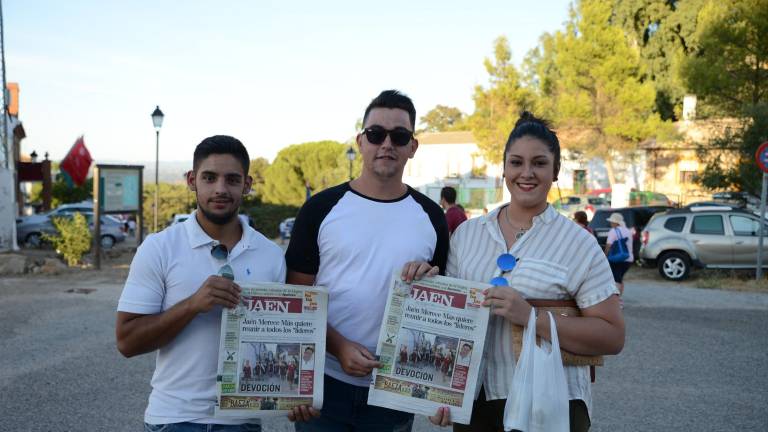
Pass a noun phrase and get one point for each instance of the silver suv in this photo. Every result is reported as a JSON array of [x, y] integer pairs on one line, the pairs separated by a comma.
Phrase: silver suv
[[702, 237]]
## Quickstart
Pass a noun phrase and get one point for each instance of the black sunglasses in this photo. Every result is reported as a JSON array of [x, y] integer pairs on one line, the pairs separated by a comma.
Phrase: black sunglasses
[[220, 252], [399, 136]]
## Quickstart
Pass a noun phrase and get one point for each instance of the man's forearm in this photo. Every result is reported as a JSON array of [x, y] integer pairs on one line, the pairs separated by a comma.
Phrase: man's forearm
[[333, 341], [140, 334]]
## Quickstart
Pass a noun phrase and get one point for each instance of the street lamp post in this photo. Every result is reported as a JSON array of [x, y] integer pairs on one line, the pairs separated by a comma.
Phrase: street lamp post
[[157, 120], [351, 156]]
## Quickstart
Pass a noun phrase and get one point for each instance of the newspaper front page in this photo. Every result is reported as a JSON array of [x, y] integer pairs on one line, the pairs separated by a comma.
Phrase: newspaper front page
[[430, 346], [272, 351]]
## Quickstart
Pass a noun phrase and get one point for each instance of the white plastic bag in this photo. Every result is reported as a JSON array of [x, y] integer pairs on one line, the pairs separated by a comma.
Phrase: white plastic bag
[[517, 410], [538, 398]]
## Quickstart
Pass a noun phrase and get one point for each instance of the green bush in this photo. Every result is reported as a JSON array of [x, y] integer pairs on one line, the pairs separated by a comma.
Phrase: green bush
[[74, 238], [267, 217], [174, 198]]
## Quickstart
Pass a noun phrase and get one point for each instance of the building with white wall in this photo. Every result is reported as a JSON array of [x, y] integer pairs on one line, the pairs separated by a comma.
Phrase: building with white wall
[[453, 159]]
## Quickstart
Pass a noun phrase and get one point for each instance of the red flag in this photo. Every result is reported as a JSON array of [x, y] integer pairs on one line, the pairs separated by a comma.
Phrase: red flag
[[77, 162]]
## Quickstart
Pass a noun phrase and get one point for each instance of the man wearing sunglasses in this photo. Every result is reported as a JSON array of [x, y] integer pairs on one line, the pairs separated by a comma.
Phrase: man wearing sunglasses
[[352, 238], [179, 281]]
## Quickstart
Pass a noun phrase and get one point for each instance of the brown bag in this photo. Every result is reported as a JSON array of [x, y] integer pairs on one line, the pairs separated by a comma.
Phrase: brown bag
[[557, 307]]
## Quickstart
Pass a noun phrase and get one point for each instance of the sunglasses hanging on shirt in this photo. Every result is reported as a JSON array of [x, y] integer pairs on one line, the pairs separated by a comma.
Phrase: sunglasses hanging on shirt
[[220, 253], [506, 263]]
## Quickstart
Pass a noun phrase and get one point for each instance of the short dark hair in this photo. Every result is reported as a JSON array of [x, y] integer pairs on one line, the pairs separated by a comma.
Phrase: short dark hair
[[530, 125], [393, 99], [581, 217], [448, 194], [221, 144]]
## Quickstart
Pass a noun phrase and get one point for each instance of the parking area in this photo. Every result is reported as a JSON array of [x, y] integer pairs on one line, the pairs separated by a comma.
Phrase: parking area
[[689, 361]]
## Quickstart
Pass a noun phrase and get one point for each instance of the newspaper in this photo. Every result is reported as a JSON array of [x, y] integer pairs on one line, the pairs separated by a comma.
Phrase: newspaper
[[430, 346], [272, 351]]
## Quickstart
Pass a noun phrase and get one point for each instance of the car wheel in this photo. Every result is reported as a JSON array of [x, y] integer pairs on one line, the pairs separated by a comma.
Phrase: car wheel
[[33, 240], [675, 266], [107, 241]]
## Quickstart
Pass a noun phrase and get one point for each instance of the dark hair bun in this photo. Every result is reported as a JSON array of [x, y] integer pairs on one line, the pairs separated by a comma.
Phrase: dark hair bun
[[528, 117], [530, 125]]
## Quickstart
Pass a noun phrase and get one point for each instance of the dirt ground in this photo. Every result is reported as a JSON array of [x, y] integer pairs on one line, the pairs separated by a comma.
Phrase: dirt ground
[[115, 264], [730, 280]]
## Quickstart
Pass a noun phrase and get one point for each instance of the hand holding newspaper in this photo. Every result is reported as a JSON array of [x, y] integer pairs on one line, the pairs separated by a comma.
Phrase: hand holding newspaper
[[430, 346], [272, 351]]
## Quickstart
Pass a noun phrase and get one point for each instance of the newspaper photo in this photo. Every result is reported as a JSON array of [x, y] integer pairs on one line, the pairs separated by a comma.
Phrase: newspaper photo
[[430, 346], [272, 351]]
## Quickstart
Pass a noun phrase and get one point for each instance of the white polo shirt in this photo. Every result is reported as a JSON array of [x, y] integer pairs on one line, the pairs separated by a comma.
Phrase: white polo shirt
[[169, 267]]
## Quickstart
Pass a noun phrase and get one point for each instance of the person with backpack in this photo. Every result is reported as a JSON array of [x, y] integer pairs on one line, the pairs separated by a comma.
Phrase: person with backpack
[[619, 238]]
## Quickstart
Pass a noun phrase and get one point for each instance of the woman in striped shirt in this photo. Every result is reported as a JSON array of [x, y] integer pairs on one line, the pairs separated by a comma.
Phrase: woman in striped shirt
[[529, 251]]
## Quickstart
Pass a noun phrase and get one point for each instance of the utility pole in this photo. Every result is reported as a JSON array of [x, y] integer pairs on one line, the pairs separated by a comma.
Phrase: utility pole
[[5, 89]]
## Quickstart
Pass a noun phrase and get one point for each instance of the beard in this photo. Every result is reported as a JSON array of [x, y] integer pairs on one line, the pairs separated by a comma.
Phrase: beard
[[218, 219], [387, 171]]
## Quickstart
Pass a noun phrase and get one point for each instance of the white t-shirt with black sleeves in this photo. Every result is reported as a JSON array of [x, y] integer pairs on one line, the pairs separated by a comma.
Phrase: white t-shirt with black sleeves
[[169, 267], [353, 244]]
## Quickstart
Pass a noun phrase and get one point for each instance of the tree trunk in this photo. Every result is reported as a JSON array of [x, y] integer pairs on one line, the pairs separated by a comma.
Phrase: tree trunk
[[609, 169]]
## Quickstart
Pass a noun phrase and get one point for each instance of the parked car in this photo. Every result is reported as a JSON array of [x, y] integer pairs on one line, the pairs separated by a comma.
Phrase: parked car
[[635, 217], [649, 199], [701, 237], [569, 205], [707, 205], [62, 210], [29, 232], [636, 198], [741, 199]]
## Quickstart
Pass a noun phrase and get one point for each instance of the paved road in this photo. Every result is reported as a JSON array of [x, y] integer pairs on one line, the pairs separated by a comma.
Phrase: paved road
[[694, 360]]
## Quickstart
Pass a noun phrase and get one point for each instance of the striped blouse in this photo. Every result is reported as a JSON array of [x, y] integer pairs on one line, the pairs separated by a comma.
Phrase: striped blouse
[[557, 260]]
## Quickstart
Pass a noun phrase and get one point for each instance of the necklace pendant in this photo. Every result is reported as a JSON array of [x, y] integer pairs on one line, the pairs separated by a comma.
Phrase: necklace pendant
[[519, 234]]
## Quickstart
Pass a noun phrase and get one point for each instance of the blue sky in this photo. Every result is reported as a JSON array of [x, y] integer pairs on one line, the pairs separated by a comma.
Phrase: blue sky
[[271, 73]]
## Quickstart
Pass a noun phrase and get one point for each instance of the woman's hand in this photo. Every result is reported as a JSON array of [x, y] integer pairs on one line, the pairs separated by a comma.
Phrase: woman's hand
[[442, 417], [508, 303], [415, 270], [302, 413]]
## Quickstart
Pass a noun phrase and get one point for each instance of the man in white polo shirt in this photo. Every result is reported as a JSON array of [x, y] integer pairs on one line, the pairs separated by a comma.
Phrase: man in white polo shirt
[[351, 238], [178, 283]]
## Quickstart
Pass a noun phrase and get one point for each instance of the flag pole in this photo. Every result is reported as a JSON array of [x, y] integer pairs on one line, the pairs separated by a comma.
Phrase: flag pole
[[5, 91]]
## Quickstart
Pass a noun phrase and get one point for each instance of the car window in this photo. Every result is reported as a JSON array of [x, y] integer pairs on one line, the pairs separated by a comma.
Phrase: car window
[[708, 224], [596, 201], [675, 224], [574, 200], [744, 226], [629, 218], [599, 220]]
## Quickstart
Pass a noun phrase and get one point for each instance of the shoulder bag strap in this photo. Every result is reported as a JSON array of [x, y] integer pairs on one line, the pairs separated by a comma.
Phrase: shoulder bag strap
[[620, 240]]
